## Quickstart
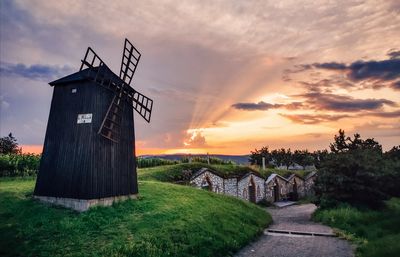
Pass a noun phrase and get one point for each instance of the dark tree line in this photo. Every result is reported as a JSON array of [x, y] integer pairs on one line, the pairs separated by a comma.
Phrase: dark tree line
[[283, 157]]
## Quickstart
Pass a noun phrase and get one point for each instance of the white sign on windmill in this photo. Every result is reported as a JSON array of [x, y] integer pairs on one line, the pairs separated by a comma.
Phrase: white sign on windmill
[[84, 118]]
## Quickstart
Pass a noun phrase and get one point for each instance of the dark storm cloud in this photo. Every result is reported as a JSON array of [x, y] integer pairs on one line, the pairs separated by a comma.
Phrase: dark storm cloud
[[35, 71]]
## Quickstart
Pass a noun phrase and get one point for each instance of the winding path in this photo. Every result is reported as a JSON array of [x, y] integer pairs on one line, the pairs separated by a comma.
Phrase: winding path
[[296, 218]]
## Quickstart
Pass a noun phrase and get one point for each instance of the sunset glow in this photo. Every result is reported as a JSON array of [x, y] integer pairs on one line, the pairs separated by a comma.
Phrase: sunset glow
[[226, 77]]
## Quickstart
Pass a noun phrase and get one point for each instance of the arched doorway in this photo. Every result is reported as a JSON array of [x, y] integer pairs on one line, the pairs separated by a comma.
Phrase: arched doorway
[[206, 184], [252, 191], [295, 195], [276, 191]]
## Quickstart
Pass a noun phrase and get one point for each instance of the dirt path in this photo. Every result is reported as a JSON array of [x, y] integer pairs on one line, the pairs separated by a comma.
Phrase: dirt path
[[296, 218]]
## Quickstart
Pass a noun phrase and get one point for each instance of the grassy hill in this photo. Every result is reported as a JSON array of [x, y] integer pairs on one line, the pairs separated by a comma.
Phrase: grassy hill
[[176, 173], [167, 220]]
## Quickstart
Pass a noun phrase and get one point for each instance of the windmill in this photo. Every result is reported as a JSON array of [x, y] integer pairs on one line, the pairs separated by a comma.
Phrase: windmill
[[89, 150]]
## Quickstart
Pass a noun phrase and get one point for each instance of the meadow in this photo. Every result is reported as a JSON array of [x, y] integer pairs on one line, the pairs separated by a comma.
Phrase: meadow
[[167, 220]]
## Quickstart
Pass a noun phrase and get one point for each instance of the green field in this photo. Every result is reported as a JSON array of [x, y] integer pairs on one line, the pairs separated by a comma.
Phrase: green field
[[376, 233], [167, 220]]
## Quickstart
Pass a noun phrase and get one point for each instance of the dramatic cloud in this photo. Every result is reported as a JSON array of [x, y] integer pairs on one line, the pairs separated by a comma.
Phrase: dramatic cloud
[[394, 53], [321, 101], [263, 106], [199, 58], [394, 114], [384, 70], [34, 72], [195, 139], [313, 119], [260, 106], [332, 102]]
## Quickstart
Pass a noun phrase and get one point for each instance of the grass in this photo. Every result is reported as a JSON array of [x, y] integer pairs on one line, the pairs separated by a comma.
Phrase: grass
[[167, 220], [174, 173], [377, 233]]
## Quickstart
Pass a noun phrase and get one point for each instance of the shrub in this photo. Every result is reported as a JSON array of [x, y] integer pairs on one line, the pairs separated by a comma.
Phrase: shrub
[[12, 165]]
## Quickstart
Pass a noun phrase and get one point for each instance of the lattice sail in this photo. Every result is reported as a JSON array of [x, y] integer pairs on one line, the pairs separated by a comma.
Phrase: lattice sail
[[142, 104], [130, 60]]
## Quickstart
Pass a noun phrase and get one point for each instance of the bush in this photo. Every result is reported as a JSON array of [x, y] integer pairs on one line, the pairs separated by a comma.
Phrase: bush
[[153, 162], [200, 159], [12, 165], [375, 232]]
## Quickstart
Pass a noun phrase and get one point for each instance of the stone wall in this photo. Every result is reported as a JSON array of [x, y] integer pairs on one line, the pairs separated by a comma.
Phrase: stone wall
[[217, 183], [243, 187], [231, 186]]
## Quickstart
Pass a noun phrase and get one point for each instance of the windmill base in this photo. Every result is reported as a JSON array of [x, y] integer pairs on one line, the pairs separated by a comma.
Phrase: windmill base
[[82, 205]]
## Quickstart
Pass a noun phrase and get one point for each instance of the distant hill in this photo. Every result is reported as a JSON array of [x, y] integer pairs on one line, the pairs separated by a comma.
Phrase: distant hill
[[238, 159]]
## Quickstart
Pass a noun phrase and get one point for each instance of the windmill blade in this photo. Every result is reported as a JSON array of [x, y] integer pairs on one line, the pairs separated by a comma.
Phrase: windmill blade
[[91, 60], [142, 104], [130, 60], [111, 126]]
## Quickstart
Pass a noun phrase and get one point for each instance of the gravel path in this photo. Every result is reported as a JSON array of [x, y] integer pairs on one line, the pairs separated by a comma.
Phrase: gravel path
[[296, 218]]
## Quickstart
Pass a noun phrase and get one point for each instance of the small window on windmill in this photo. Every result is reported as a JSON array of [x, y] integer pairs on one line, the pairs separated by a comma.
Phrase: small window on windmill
[[74, 90]]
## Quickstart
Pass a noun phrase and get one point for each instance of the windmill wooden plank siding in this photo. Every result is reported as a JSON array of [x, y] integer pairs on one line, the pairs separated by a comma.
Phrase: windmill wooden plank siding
[[77, 162]]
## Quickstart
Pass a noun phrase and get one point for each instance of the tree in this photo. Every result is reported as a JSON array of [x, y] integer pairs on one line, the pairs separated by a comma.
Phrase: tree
[[303, 158], [393, 154], [352, 173], [278, 155], [9, 145], [287, 157], [319, 157], [257, 155]]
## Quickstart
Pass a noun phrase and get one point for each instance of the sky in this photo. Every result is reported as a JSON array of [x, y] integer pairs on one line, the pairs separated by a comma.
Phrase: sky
[[226, 76]]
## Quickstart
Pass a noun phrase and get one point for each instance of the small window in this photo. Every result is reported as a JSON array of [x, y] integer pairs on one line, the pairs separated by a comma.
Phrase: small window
[[73, 91]]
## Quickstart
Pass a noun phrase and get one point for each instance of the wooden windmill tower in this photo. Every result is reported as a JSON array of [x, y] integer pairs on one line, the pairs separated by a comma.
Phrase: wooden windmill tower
[[89, 149]]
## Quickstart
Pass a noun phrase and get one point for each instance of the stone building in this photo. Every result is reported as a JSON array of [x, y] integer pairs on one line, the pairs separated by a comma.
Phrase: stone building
[[296, 186], [277, 188], [249, 186], [252, 187], [209, 180]]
